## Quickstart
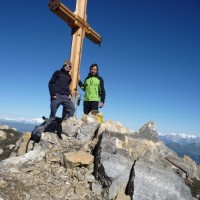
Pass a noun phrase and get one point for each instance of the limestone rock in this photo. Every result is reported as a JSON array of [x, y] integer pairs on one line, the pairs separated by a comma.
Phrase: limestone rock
[[71, 126], [87, 131], [97, 161], [49, 137], [158, 183], [4, 127], [112, 126], [2, 135], [148, 132], [24, 142], [115, 175], [8, 140], [74, 159]]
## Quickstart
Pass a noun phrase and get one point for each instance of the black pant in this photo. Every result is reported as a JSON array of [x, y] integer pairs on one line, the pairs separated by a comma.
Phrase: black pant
[[67, 104], [89, 106]]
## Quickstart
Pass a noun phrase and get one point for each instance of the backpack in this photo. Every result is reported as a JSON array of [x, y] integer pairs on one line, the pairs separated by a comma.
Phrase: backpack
[[52, 125]]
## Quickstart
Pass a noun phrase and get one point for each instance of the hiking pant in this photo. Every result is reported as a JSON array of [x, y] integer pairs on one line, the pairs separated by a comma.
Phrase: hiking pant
[[68, 106], [89, 106]]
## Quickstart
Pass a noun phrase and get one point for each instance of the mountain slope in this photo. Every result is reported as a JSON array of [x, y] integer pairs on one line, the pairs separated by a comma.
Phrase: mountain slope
[[183, 145]]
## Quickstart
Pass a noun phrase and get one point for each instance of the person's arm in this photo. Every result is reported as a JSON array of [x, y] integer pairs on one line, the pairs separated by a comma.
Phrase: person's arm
[[69, 91], [81, 84], [51, 84], [102, 92]]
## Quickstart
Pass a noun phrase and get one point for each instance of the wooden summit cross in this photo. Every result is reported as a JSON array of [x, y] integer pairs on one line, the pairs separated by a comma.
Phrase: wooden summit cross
[[80, 29]]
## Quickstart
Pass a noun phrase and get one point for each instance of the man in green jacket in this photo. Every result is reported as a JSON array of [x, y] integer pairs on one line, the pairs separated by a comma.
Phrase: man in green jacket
[[94, 90]]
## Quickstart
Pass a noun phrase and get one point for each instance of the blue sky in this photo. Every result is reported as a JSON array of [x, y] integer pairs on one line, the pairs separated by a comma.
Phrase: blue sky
[[149, 59]]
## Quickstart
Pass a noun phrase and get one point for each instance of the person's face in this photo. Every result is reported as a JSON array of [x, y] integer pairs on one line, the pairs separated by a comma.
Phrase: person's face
[[67, 68], [93, 70]]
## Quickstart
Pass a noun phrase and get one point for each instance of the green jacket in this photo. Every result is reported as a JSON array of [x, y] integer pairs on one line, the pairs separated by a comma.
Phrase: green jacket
[[94, 88]]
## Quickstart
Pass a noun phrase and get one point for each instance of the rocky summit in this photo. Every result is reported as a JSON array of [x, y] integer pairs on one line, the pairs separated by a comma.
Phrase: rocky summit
[[97, 161], [8, 138]]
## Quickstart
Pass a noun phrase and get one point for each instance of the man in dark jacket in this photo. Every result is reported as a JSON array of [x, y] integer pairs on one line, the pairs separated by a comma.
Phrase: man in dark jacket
[[94, 90], [60, 92]]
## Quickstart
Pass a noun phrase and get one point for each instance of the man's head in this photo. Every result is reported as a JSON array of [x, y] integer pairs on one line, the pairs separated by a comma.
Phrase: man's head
[[67, 65], [94, 69]]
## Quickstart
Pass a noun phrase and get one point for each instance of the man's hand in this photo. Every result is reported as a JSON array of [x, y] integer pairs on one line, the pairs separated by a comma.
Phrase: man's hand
[[53, 97], [69, 97], [101, 105]]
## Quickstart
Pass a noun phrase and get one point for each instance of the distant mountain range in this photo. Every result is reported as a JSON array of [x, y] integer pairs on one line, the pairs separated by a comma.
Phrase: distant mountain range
[[21, 124], [184, 139], [22, 120], [183, 144]]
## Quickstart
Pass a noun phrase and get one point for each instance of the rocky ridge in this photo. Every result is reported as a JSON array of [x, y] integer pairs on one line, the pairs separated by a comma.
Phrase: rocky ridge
[[98, 162], [8, 138]]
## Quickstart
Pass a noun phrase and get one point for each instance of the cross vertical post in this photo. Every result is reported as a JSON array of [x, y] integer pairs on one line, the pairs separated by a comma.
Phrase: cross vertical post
[[80, 28], [77, 44]]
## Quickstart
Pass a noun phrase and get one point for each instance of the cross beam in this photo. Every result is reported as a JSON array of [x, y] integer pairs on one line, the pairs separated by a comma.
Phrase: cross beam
[[80, 29], [74, 20]]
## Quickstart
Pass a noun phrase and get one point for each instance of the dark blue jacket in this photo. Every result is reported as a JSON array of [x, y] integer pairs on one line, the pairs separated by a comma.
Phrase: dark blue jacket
[[59, 83]]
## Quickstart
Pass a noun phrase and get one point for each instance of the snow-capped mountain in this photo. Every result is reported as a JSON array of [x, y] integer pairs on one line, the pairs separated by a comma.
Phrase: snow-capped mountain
[[22, 120], [21, 124], [183, 144], [184, 139]]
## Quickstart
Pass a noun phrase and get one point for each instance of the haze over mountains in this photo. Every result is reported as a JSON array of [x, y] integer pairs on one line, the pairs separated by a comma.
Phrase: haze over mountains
[[22, 120], [183, 144], [21, 124], [184, 139]]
